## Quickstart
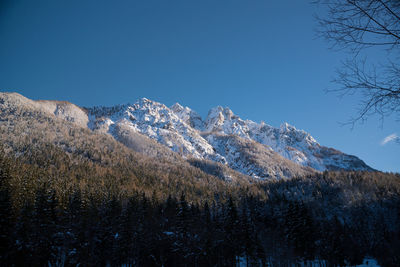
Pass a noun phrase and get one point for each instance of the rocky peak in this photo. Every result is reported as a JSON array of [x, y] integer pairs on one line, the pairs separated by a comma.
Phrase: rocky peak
[[177, 108], [189, 116], [297, 135], [182, 130], [228, 114], [217, 119]]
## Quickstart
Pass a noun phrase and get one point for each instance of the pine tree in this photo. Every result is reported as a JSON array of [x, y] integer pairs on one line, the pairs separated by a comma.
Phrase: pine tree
[[45, 226], [6, 222], [24, 236], [247, 235], [73, 224], [181, 249], [126, 241], [208, 253], [299, 230], [231, 230]]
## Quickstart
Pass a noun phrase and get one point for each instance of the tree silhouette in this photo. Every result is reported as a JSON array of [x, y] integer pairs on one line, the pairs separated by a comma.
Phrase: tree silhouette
[[356, 26]]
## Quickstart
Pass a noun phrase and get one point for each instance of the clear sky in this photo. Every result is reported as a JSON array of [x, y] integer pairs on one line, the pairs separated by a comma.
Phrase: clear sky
[[260, 58]]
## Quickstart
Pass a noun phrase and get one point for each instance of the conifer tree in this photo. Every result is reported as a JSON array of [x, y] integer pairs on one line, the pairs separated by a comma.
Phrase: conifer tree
[[45, 225], [6, 222]]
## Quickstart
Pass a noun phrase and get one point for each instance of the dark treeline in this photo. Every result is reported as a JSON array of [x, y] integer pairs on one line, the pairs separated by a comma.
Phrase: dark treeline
[[338, 218]]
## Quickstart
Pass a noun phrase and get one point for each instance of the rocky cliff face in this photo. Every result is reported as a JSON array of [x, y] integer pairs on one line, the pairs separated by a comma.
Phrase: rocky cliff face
[[254, 149], [291, 143], [224, 137]]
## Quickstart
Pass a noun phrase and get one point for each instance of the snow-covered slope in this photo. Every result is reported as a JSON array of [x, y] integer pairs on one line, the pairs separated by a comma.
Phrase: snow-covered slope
[[61, 109], [255, 149], [156, 121], [295, 145]]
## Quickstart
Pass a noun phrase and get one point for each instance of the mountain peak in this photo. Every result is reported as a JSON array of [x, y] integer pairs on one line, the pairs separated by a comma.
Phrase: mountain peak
[[145, 101], [177, 107], [217, 117], [228, 113], [223, 137], [287, 127], [189, 116]]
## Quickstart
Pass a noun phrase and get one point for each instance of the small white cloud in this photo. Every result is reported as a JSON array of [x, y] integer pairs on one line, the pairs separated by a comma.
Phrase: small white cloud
[[389, 138]]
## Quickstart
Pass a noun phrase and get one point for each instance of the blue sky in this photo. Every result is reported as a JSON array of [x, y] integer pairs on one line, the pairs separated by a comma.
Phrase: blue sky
[[260, 58]]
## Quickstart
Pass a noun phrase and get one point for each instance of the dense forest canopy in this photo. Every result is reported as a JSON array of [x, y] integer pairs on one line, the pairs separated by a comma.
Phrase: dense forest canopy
[[60, 211], [71, 196]]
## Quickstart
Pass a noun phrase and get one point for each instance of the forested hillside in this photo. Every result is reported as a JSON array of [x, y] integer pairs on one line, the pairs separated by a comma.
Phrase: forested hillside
[[72, 196], [69, 213]]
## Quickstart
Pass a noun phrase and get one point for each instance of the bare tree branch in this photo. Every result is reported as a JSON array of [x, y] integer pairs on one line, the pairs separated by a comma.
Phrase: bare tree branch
[[357, 25]]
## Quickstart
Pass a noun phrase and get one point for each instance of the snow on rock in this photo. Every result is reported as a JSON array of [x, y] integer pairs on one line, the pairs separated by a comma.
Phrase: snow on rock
[[255, 149], [293, 144], [61, 109], [189, 116], [66, 111], [158, 122], [183, 131]]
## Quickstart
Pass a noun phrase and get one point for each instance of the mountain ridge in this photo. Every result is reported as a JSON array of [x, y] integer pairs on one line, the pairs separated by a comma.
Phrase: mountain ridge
[[295, 145], [255, 149]]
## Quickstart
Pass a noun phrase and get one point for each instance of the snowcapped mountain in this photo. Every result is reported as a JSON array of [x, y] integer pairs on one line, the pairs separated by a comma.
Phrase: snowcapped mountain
[[255, 149], [156, 121], [295, 145]]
